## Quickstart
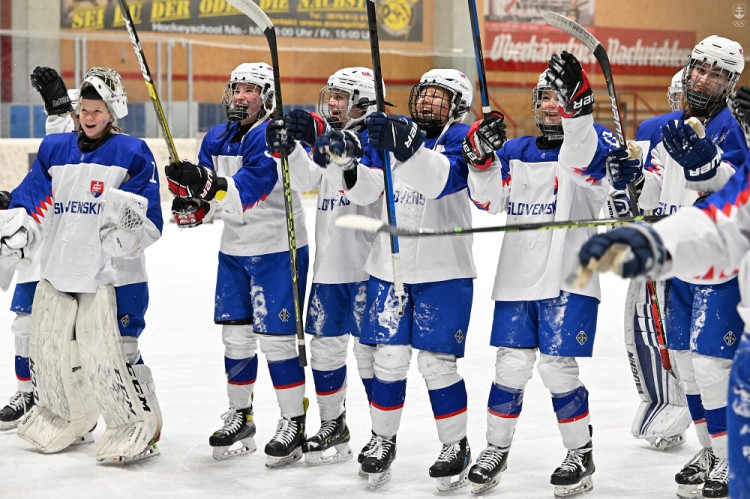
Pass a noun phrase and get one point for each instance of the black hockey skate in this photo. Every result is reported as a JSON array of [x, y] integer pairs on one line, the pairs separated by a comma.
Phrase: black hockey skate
[[377, 462], [239, 428], [573, 477], [452, 465], [692, 476], [333, 434], [20, 403], [361, 458], [485, 474], [286, 445], [717, 482]]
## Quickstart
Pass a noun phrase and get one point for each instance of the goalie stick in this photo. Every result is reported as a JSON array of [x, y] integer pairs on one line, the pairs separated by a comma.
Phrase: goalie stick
[[367, 224], [582, 35], [256, 14], [160, 117], [481, 72]]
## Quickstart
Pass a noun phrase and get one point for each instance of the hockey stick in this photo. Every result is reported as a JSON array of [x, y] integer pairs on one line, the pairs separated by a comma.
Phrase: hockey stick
[[160, 117], [367, 224], [582, 35], [256, 14], [398, 282], [481, 72]]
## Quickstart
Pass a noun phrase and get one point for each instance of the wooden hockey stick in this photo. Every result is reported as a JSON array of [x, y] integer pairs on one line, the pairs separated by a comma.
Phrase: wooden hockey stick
[[160, 117], [256, 14], [582, 35]]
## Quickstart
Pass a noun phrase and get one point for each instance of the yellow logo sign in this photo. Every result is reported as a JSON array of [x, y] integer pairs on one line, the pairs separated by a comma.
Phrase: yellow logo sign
[[397, 16]]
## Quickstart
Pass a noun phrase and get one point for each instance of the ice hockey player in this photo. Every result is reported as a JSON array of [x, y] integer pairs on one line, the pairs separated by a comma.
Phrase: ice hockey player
[[75, 201], [254, 295], [678, 176], [559, 175], [337, 297]]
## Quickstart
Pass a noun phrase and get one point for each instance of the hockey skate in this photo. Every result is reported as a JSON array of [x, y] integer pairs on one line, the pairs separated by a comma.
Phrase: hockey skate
[[239, 428], [452, 465], [691, 477], [333, 434], [573, 477], [664, 443], [360, 459], [286, 445], [20, 403], [86, 438], [378, 459], [485, 474], [717, 482]]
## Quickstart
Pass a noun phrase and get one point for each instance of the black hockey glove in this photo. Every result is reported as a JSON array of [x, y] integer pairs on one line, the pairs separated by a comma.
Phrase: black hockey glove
[[572, 85], [305, 126], [340, 147], [187, 180], [394, 133], [484, 138], [278, 138], [48, 83], [4, 200], [189, 212], [739, 104]]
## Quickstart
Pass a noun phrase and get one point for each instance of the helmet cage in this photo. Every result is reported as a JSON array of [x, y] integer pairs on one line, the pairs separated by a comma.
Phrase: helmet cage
[[553, 131], [260, 75], [454, 109], [108, 84]]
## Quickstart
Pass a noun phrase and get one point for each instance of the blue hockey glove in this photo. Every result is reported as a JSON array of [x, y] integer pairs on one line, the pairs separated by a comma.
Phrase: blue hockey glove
[[278, 138], [624, 167], [394, 133], [632, 251], [341, 147], [484, 138], [305, 126], [698, 156]]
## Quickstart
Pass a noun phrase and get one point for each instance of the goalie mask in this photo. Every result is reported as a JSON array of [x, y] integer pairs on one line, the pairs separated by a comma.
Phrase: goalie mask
[[711, 72], [259, 76], [675, 92], [544, 108], [442, 97], [348, 97], [108, 85]]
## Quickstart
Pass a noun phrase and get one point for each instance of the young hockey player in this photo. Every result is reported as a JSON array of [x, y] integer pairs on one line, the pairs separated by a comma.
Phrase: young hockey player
[[337, 297], [556, 176], [702, 345], [96, 194], [254, 295]]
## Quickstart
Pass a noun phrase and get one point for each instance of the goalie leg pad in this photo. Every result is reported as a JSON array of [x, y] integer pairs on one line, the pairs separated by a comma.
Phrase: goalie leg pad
[[132, 424], [65, 405]]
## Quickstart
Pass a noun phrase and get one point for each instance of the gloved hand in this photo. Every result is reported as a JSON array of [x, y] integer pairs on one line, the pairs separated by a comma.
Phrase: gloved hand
[[278, 138], [698, 156], [625, 166], [632, 251], [739, 105], [187, 180], [340, 147], [48, 83], [5, 200], [394, 133], [189, 212], [305, 126], [569, 79], [484, 138]]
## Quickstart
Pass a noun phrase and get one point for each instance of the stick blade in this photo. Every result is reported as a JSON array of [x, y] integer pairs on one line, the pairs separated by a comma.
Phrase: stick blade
[[253, 11], [572, 28], [360, 222]]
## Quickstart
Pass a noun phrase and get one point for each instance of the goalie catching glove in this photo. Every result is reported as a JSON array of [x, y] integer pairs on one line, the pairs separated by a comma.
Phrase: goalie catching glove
[[121, 222], [52, 88], [340, 147], [569, 79], [16, 237], [484, 138], [187, 180], [394, 133]]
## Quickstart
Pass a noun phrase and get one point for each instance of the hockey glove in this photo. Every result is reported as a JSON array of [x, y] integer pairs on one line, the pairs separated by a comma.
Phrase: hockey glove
[[15, 237], [394, 133], [625, 166], [572, 85], [340, 147], [698, 156], [188, 212], [48, 83], [305, 126], [278, 139], [121, 222], [187, 180], [484, 138], [739, 104], [4, 200], [618, 204], [632, 251]]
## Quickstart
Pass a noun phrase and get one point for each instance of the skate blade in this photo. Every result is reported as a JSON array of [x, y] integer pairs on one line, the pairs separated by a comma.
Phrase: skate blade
[[664, 443], [9, 425], [338, 453], [362, 473], [455, 482], [581, 487], [244, 446], [148, 452], [88, 438], [478, 488], [277, 462], [377, 480], [689, 491]]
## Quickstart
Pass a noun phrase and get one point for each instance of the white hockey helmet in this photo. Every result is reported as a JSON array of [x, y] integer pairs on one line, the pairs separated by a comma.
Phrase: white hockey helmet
[[675, 91], [108, 84], [455, 82], [723, 55], [553, 131], [359, 84], [259, 74]]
